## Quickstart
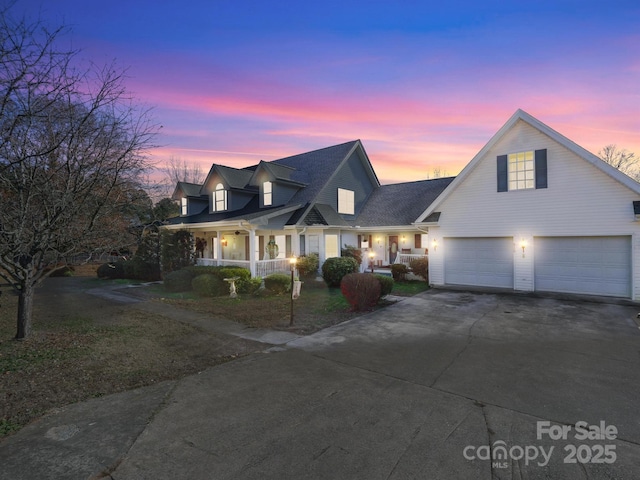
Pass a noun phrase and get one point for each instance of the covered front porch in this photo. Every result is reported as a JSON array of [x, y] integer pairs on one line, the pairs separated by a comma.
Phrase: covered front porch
[[385, 248]]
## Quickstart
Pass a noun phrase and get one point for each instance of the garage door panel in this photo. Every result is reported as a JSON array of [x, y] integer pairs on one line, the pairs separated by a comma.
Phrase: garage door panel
[[589, 265], [479, 261]]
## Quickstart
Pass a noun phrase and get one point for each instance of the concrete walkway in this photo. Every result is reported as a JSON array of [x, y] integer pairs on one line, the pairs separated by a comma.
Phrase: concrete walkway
[[431, 387]]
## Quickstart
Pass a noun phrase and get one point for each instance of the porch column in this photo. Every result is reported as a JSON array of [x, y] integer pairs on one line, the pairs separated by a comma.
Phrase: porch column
[[219, 236], [252, 252], [295, 243]]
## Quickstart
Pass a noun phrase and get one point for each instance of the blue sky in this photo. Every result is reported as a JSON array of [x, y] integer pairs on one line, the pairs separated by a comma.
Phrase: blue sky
[[423, 84]]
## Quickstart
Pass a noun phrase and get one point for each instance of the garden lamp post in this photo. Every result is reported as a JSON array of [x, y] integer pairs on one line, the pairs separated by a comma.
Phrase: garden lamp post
[[371, 255], [292, 263]]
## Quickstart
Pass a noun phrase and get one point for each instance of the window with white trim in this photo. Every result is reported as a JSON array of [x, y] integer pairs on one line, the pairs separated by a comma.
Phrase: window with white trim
[[183, 206], [267, 193], [219, 198], [521, 170], [346, 201]]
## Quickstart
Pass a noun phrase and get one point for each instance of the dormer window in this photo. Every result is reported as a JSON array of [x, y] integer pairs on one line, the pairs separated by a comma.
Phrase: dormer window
[[219, 198], [346, 201], [267, 193], [183, 206]]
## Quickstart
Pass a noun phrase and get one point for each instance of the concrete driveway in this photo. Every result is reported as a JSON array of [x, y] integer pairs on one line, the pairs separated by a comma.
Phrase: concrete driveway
[[444, 385]]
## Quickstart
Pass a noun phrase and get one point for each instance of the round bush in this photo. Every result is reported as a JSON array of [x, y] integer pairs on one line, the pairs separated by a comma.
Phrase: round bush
[[420, 267], [178, 281], [278, 283], [362, 290], [399, 271], [335, 268], [208, 285], [386, 284]]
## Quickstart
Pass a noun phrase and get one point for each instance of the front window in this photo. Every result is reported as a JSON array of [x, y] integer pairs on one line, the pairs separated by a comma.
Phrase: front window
[[346, 201], [183, 206], [220, 198], [267, 192], [521, 170]]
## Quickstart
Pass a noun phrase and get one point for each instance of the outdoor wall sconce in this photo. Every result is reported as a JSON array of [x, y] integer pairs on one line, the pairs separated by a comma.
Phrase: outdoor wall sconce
[[223, 242], [523, 245], [435, 244], [371, 257]]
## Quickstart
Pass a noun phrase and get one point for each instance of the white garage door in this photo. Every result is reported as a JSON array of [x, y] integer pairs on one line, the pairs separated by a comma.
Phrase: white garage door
[[591, 265], [486, 262]]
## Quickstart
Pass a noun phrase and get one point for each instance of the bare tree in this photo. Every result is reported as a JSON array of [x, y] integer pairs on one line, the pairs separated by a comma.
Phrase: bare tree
[[179, 170], [623, 160], [72, 148]]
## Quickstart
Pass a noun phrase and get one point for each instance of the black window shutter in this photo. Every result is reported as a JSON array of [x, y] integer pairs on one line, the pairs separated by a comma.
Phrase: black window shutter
[[541, 168], [502, 173]]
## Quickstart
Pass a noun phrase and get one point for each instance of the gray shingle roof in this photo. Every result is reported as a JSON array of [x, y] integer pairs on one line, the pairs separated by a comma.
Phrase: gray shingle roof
[[235, 177], [400, 203], [190, 189]]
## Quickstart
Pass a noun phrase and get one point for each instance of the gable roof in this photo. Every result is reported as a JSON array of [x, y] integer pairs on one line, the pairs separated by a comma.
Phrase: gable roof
[[187, 189], [235, 178], [400, 203], [518, 116]]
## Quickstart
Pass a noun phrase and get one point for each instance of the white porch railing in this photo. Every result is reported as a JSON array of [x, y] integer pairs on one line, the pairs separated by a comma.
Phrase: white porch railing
[[222, 262], [277, 265], [406, 258], [263, 267]]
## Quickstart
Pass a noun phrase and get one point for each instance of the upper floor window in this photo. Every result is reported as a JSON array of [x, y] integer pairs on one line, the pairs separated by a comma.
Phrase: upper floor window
[[521, 170], [219, 198], [346, 201], [267, 193], [183, 206]]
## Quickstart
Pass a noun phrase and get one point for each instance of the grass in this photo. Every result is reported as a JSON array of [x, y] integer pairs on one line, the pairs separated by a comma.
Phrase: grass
[[73, 356]]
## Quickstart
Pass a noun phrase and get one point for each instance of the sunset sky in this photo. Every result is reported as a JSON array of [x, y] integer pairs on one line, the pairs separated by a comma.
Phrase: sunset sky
[[424, 84]]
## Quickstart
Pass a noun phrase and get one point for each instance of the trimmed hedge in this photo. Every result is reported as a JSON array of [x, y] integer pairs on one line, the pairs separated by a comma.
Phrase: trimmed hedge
[[335, 268], [386, 284], [178, 281], [362, 290], [278, 283], [208, 285], [399, 271]]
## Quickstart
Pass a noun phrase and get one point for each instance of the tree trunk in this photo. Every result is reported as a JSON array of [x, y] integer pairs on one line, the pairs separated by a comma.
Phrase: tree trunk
[[25, 311]]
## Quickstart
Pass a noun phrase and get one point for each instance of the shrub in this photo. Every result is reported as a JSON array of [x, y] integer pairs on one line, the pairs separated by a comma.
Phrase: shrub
[[178, 281], [333, 269], [278, 283], [209, 286], [177, 250], [399, 271], [61, 270], [361, 290], [147, 271], [308, 265], [386, 284], [111, 270], [250, 285], [420, 267], [353, 252]]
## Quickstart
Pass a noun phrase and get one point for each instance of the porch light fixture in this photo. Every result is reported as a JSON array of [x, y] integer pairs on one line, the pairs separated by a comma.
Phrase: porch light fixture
[[523, 245], [223, 242], [435, 244], [371, 257]]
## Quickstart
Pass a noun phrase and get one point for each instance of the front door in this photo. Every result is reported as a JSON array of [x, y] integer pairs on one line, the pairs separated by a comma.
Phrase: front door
[[393, 248]]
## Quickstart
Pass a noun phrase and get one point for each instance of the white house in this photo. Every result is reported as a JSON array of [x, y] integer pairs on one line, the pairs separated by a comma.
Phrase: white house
[[533, 211]]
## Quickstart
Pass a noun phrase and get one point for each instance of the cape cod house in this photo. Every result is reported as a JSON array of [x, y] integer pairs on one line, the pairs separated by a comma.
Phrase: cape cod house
[[532, 211], [315, 202]]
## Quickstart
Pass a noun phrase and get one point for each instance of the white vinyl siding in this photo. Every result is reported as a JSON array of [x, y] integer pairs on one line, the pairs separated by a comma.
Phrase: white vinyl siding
[[484, 262], [587, 265], [346, 201]]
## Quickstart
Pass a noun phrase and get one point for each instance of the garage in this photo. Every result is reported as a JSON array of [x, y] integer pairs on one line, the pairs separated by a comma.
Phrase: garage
[[588, 265], [486, 262]]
